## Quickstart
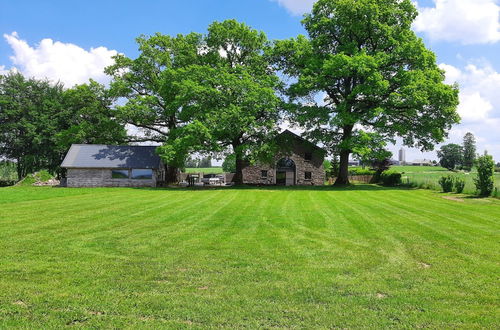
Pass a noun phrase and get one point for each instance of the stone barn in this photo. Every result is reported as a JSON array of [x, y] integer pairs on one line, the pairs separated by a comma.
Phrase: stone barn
[[298, 162], [90, 165]]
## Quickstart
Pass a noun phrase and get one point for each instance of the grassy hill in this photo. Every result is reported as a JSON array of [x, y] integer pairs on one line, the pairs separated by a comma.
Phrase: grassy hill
[[363, 257]]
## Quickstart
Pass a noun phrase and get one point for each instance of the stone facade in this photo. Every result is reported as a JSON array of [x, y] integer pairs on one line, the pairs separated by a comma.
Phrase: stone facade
[[101, 177], [296, 150]]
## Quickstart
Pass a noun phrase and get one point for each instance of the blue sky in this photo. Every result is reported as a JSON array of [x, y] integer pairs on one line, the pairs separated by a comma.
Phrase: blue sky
[[72, 41]]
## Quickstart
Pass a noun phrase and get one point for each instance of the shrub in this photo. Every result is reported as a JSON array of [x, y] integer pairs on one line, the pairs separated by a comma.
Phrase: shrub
[[389, 178], [446, 183], [484, 181], [459, 185], [7, 183]]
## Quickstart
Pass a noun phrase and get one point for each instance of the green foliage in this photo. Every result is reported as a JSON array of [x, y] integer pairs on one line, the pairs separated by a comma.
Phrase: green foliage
[[450, 156], [31, 114], [89, 117], [39, 121], [8, 170], [459, 185], [208, 93], [469, 148], [229, 164], [390, 178], [446, 183], [375, 72], [234, 102], [203, 162], [485, 179]]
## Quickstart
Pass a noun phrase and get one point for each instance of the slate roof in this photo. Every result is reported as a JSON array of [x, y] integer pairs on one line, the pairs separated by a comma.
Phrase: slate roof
[[300, 138], [104, 156]]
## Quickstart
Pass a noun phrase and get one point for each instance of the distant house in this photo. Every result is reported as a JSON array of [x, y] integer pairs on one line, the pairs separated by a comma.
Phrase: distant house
[[298, 162], [91, 165]]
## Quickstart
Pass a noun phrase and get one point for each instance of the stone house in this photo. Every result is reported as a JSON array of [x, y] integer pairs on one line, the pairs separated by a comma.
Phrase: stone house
[[90, 165], [298, 162]]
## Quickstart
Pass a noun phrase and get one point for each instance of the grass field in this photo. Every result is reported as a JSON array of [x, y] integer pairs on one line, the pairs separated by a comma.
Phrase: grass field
[[211, 170], [428, 177], [360, 257]]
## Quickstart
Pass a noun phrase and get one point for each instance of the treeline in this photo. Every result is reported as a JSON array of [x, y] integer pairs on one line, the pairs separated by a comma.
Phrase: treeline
[[462, 157], [358, 79], [39, 121]]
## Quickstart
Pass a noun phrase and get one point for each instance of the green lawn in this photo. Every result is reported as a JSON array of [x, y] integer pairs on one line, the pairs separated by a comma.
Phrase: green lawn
[[211, 170], [361, 257]]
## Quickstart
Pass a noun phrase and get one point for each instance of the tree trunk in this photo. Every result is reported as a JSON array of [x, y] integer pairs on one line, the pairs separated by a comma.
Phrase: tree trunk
[[343, 177], [238, 177], [171, 174]]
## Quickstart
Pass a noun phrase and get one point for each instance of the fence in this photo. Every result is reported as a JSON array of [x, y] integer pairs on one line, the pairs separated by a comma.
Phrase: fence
[[355, 179]]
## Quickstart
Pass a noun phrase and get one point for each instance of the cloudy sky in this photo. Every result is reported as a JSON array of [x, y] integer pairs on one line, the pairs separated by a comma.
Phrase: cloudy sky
[[74, 42]]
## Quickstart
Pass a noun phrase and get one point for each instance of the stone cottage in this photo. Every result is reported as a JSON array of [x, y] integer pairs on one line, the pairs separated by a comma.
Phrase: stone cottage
[[299, 162], [90, 165]]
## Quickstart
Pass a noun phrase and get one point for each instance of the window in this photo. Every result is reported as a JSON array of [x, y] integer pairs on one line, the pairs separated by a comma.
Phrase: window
[[119, 174], [308, 156], [263, 174], [145, 174], [308, 175]]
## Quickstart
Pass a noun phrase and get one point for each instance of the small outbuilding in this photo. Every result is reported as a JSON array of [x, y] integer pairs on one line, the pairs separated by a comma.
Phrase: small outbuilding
[[298, 162], [90, 165]]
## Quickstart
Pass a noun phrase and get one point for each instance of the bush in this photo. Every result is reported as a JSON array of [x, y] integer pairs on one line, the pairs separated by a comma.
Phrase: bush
[[389, 178], [459, 185], [484, 181], [7, 183], [446, 183]]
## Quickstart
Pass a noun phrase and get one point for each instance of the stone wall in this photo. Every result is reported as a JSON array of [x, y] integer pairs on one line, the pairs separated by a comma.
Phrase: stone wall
[[296, 151], [101, 177]]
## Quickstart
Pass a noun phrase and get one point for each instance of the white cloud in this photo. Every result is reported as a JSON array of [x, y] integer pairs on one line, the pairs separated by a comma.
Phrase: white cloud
[[479, 104], [473, 107], [59, 61], [297, 7], [463, 21]]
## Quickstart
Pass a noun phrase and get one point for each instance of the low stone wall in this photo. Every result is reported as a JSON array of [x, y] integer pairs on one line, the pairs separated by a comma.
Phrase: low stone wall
[[102, 178]]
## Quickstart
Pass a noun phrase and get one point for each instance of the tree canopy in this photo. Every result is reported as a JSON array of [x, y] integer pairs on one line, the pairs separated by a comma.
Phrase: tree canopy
[[233, 100], [469, 151], [39, 121], [450, 156], [372, 73]]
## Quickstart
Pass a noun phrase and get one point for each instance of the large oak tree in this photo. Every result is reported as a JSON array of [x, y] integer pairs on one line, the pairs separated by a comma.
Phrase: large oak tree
[[374, 73], [232, 97]]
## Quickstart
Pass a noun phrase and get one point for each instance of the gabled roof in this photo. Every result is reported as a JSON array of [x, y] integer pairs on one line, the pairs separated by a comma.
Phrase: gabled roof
[[104, 156], [300, 138]]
